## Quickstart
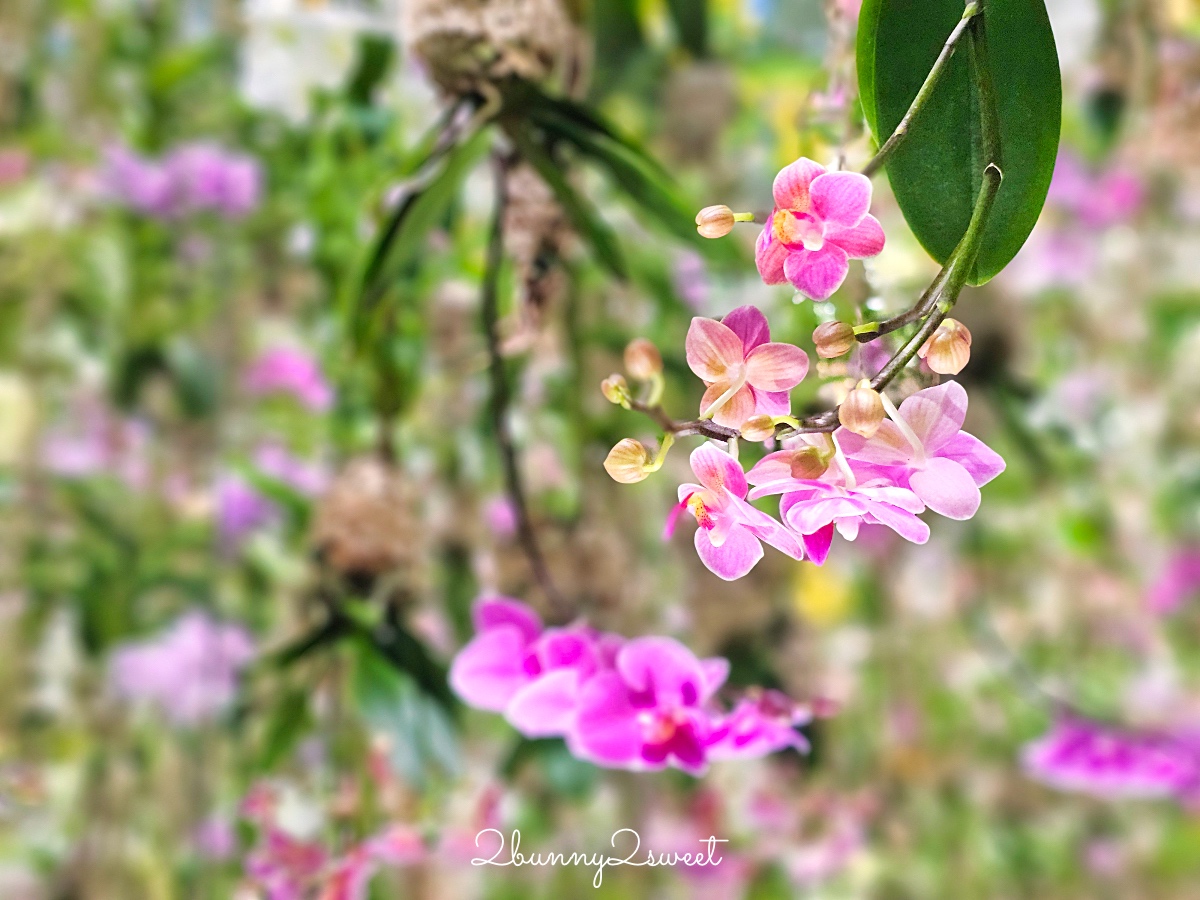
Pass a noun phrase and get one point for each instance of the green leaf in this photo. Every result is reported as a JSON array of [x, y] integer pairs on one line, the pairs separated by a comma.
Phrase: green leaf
[[936, 172], [582, 214], [290, 720], [403, 238], [690, 18], [420, 732]]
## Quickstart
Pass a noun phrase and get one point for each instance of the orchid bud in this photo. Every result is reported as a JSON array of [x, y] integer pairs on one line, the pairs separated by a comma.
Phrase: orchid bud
[[642, 359], [615, 390], [862, 411], [809, 463], [715, 221], [627, 461], [948, 349], [758, 428], [833, 339]]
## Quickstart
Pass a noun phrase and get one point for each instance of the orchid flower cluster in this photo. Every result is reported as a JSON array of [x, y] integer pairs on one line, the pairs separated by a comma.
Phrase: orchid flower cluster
[[192, 178], [642, 704], [873, 464]]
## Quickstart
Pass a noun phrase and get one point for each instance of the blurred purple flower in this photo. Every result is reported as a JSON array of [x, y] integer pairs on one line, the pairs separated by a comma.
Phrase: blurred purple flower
[[500, 516], [1178, 582], [759, 725], [190, 671], [241, 510], [691, 279], [290, 371], [192, 178], [215, 838], [1084, 756], [1098, 199]]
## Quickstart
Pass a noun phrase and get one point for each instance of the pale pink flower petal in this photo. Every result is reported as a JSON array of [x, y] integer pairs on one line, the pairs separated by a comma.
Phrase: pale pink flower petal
[[817, 274], [718, 471], [546, 706], [770, 255], [887, 447], [936, 414], [776, 367], [975, 456], [791, 188], [904, 523], [772, 403], [840, 198], [489, 671], [734, 411], [712, 349], [863, 240], [946, 488], [749, 324], [737, 555]]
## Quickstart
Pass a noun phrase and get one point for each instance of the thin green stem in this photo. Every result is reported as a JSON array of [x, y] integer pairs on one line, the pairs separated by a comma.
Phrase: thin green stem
[[931, 80]]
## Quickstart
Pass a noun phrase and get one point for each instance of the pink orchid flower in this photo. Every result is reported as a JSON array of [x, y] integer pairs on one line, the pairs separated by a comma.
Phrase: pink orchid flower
[[730, 532], [1078, 755], [531, 675], [923, 448], [285, 370], [745, 373], [1177, 583], [813, 509], [651, 710], [759, 725], [819, 223]]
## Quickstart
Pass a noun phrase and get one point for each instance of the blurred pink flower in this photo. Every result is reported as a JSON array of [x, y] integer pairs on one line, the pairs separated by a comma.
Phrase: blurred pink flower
[[1178, 582], [192, 178], [14, 165], [760, 723], [284, 867], [290, 371], [1099, 199], [730, 530], [307, 478], [651, 710], [215, 838], [691, 279], [1078, 755], [923, 448], [744, 373], [94, 441], [819, 223], [500, 516], [190, 672]]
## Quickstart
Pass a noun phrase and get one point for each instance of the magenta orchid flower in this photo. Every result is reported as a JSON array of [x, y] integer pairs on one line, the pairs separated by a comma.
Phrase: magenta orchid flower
[[531, 675], [923, 448], [744, 372], [650, 711], [814, 509], [819, 223], [290, 371], [1078, 755], [1178, 582], [730, 533], [759, 725]]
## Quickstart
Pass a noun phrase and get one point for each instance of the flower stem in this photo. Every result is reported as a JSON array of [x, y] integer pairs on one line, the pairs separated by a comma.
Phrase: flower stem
[[939, 66]]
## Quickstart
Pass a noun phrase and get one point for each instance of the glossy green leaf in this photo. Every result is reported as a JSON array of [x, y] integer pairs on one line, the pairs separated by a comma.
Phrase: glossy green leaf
[[936, 171]]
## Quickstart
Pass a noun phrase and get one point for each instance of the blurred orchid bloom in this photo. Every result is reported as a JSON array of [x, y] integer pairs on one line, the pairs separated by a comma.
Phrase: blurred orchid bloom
[[813, 509], [819, 223], [759, 725], [650, 711], [290, 371], [205, 176], [531, 675], [1099, 199], [241, 510], [744, 372], [307, 478], [730, 532], [190, 672], [922, 447], [1078, 755], [284, 867]]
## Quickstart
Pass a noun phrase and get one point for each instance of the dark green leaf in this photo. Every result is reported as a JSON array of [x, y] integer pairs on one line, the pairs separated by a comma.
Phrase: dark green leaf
[[691, 22], [936, 171], [289, 721]]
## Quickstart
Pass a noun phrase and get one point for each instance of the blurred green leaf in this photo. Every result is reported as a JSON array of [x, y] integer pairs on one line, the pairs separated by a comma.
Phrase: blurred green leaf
[[289, 721], [936, 171], [691, 22], [421, 733]]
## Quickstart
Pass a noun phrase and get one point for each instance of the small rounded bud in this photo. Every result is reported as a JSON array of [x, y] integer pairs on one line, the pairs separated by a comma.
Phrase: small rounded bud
[[642, 359], [809, 463], [627, 462], [715, 221], [948, 349], [758, 428], [862, 411], [833, 339], [615, 390]]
